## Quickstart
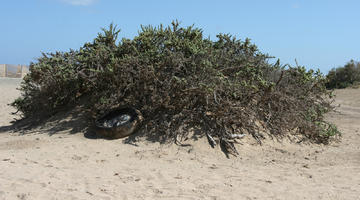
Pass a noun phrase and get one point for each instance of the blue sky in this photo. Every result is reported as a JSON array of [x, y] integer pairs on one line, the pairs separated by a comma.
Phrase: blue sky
[[318, 33]]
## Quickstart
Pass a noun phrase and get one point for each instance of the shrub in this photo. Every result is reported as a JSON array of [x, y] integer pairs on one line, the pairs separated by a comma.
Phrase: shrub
[[343, 77], [180, 80]]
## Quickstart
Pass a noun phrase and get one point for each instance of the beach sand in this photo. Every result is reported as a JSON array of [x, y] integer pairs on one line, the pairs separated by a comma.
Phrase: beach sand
[[60, 163]]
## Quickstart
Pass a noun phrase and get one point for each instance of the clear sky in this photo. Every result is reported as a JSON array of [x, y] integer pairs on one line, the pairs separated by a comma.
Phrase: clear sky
[[318, 33]]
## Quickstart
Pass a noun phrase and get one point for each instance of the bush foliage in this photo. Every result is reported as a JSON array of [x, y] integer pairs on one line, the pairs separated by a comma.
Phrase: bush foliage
[[179, 80], [342, 77]]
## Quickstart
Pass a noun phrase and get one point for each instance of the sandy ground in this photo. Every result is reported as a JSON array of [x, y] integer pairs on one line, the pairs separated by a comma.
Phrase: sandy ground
[[63, 164]]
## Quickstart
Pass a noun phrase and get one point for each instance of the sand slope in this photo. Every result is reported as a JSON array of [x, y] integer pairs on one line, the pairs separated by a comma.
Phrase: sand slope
[[70, 166]]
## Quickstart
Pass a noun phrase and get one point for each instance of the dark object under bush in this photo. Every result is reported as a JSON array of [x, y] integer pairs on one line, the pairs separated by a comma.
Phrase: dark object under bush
[[118, 123], [180, 80]]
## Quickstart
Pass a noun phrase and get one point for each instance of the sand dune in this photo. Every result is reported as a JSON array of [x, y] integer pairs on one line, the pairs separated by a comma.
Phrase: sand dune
[[66, 165]]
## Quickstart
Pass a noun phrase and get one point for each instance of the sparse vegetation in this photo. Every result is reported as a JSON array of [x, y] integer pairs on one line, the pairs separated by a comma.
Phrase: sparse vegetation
[[180, 80], [343, 77]]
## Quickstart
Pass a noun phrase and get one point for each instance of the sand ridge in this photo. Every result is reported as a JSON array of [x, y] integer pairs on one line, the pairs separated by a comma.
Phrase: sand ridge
[[66, 165]]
